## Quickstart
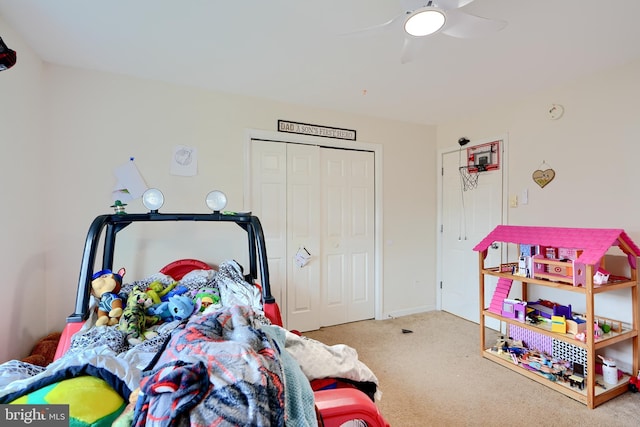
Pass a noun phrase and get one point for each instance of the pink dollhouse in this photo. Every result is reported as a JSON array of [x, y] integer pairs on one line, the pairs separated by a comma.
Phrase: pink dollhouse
[[587, 246], [567, 259]]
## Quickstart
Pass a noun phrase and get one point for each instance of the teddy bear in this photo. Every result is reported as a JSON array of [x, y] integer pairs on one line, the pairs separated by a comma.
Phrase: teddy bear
[[105, 286], [134, 320], [44, 350]]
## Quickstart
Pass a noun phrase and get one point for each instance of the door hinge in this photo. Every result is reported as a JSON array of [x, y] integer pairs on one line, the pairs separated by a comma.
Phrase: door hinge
[[441, 284]]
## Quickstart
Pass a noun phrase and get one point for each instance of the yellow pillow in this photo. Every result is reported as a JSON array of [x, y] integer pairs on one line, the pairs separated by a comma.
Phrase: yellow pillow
[[92, 402]]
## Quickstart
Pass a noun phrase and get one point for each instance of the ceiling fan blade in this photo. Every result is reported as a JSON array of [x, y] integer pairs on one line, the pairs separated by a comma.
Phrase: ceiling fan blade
[[451, 4], [441, 4], [376, 28], [464, 25], [411, 5], [410, 47]]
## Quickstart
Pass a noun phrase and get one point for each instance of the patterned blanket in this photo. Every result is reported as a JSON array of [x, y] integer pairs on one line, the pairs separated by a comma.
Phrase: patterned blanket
[[219, 369]]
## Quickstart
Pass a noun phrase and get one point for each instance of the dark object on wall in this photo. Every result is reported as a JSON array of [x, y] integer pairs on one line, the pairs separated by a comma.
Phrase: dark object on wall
[[7, 56], [463, 141]]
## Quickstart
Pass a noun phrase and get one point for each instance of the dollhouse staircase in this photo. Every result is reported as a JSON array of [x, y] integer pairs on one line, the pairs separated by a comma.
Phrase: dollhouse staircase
[[502, 291]]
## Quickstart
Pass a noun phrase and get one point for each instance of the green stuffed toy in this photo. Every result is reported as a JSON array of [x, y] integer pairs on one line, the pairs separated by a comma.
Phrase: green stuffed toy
[[157, 290], [134, 320], [206, 297]]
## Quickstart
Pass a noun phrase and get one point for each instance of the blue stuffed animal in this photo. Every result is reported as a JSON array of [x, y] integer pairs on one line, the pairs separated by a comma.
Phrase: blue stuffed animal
[[178, 307]]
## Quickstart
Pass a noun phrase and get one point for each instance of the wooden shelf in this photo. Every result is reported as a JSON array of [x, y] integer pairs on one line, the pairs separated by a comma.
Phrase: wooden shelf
[[601, 395], [556, 274], [612, 285], [544, 328], [554, 277]]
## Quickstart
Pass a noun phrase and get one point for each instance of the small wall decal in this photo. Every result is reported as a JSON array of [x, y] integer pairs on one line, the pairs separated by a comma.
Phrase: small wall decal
[[184, 161]]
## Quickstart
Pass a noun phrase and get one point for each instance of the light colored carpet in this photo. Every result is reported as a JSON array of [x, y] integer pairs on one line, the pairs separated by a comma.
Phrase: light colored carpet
[[435, 376]]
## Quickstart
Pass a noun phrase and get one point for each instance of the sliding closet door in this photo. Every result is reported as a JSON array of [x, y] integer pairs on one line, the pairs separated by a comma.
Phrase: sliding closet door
[[285, 196], [348, 235], [317, 200], [303, 235], [269, 203]]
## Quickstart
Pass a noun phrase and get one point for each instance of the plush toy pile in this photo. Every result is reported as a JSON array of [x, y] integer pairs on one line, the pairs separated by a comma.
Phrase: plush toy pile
[[137, 310]]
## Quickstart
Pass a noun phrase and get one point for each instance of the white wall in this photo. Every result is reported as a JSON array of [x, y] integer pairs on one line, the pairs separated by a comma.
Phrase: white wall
[[594, 149], [65, 130], [97, 121], [24, 212]]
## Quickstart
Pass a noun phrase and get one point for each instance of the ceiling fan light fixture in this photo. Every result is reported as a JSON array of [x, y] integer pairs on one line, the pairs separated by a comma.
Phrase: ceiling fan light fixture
[[424, 21]]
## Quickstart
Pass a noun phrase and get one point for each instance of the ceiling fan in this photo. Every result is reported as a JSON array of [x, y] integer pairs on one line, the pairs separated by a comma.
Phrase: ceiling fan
[[422, 18]]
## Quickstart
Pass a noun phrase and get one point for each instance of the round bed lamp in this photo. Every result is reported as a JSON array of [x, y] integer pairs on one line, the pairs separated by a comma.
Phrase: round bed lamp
[[216, 200], [153, 199]]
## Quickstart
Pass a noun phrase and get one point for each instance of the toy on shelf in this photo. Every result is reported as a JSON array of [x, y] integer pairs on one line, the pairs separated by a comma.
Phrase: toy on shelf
[[552, 368], [548, 309], [601, 276], [609, 370], [608, 325], [576, 379], [559, 324], [514, 309], [576, 325], [105, 286]]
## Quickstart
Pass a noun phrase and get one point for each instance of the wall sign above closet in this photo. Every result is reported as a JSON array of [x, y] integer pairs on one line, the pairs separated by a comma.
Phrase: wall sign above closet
[[316, 130]]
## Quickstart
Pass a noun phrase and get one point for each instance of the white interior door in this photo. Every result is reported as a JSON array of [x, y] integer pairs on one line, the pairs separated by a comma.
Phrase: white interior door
[[467, 217], [348, 236]]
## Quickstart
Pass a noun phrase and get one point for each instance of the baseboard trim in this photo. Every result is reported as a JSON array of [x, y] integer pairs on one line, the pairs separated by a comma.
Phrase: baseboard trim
[[408, 311]]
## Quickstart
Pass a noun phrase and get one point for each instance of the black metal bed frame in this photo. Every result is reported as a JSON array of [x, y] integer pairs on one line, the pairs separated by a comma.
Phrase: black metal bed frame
[[111, 225]]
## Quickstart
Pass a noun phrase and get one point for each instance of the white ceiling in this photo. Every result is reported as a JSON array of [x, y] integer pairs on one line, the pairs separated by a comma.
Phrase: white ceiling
[[296, 51]]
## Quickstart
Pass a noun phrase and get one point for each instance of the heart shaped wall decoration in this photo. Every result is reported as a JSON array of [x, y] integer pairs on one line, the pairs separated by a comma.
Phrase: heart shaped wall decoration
[[543, 177]]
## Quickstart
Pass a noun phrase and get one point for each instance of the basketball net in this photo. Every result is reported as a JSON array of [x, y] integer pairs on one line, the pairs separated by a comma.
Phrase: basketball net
[[469, 179]]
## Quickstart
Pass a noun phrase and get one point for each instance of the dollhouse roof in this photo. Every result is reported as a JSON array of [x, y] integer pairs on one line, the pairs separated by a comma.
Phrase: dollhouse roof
[[594, 242]]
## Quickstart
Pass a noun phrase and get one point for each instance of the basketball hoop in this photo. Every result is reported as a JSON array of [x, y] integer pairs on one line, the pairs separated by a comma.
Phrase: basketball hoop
[[468, 177]]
